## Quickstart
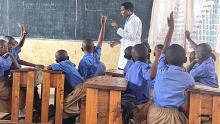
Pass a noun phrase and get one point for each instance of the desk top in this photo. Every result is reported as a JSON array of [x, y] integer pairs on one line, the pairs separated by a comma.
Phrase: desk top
[[107, 83], [34, 69], [115, 73], [203, 89]]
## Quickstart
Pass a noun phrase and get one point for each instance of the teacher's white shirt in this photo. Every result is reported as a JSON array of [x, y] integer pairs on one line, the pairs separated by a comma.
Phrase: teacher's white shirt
[[131, 35]]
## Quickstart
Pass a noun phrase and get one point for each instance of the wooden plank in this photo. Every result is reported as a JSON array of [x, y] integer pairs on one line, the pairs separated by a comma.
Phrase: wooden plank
[[195, 108], [59, 99], [103, 106], [115, 107], [91, 106], [115, 73], [203, 89], [206, 105], [216, 110], [29, 97], [45, 97], [15, 97], [107, 83], [7, 122]]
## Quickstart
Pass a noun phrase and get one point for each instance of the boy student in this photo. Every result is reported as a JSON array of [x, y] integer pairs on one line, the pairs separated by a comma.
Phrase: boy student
[[7, 62], [73, 87], [90, 64], [128, 56], [171, 83], [202, 68], [15, 47]]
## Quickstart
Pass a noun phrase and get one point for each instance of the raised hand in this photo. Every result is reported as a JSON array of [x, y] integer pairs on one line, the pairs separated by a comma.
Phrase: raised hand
[[103, 20]]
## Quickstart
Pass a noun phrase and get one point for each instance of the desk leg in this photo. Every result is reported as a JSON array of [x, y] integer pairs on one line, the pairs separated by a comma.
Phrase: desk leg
[[115, 107], [45, 98], [216, 110], [15, 96], [29, 97], [59, 99], [91, 106], [195, 109]]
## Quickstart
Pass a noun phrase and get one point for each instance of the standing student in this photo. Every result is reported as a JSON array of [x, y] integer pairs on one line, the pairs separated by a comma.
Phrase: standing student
[[131, 33]]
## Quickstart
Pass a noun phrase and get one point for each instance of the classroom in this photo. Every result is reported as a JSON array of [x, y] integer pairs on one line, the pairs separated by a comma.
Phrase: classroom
[[109, 62]]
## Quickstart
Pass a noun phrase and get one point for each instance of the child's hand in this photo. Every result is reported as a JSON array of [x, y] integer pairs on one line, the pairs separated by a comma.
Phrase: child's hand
[[39, 66], [103, 20], [114, 24], [23, 29], [170, 21], [187, 34]]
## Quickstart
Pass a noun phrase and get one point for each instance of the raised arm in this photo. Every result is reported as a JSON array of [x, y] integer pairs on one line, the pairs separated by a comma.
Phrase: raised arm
[[23, 35], [192, 43], [153, 70], [102, 31], [169, 35]]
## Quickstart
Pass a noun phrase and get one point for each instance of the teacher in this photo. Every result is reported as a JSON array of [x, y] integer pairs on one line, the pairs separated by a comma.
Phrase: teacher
[[131, 34]]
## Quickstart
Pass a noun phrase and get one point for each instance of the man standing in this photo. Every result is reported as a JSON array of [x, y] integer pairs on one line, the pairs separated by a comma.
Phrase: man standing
[[131, 34]]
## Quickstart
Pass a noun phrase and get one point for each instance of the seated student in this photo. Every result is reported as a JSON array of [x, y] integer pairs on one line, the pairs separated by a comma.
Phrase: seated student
[[7, 62], [128, 56], [15, 47], [73, 85], [171, 83], [90, 64], [146, 44], [138, 77], [202, 68]]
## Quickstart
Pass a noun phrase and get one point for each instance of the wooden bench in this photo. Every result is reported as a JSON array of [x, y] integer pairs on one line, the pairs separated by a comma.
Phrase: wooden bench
[[115, 73], [204, 101], [102, 104], [26, 78]]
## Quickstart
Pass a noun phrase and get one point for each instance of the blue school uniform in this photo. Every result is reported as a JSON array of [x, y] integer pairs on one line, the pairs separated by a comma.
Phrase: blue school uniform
[[138, 76], [205, 73], [128, 65], [71, 74], [5, 64], [170, 85], [15, 51], [90, 64]]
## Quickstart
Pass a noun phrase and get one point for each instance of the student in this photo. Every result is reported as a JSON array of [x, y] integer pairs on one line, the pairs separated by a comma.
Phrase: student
[[73, 85], [138, 77], [90, 64], [146, 44], [171, 83], [7, 62], [128, 56], [202, 68], [15, 47]]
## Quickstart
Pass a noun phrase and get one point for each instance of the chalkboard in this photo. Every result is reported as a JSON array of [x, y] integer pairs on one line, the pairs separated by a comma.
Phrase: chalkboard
[[67, 19]]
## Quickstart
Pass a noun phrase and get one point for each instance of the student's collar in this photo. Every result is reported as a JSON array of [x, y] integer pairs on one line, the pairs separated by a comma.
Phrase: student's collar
[[88, 54]]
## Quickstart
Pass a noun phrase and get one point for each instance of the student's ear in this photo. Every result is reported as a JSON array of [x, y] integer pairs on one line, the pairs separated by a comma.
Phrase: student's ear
[[185, 59], [67, 57], [82, 49]]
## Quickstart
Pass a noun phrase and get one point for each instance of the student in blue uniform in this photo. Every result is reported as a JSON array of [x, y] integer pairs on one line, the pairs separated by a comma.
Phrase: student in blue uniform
[[73, 86], [7, 62], [202, 68], [171, 84], [128, 56], [90, 64]]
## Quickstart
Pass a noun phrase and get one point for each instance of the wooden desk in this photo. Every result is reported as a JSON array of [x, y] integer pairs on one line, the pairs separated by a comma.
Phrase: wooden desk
[[26, 78], [102, 104], [204, 101], [115, 73]]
